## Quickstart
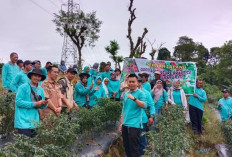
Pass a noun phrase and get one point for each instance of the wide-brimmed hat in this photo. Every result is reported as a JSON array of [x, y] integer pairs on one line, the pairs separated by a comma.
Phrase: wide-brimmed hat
[[144, 74], [84, 74], [37, 72]]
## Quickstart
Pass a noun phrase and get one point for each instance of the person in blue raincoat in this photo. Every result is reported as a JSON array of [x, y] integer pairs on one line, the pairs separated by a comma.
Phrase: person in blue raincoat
[[9, 71], [94, 70], [106, 72], [100, 93], [114, 87], [82, 91], [29, 99], [225, 105], [21, 77], [90, 79], [146, 85], [160, 96]]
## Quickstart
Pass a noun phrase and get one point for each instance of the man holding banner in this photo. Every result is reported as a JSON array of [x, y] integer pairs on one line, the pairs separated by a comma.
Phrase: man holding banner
[[158, 77]]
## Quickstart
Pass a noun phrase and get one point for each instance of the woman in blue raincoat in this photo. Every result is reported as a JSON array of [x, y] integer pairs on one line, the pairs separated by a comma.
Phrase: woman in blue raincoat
[[100, 93], [114, 87], [90, 79]]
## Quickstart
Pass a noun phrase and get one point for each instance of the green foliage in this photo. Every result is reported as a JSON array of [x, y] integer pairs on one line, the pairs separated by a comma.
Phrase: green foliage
[[112, 49], [164, 54], [82, 28], [56, 135], [7, 105], [1, 65], [102, 66], [213, 93], [169, 138], [227, 130]]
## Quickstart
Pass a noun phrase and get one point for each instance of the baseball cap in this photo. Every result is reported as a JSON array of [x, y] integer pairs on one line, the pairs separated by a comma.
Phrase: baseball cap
[[71, 70], [158, 72]]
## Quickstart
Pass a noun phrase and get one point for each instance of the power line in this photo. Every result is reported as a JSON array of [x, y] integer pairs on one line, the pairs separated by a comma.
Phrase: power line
[[41, 7], [54, 4]]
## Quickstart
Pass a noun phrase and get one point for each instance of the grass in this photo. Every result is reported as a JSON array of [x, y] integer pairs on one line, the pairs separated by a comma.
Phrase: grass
[[212, 135]]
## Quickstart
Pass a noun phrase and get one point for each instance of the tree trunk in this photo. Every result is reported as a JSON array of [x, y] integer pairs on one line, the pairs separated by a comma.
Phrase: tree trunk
[[79, 64]]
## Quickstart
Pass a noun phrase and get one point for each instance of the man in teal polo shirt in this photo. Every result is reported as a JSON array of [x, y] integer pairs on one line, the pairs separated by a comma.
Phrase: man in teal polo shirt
[[9, 71], [131, 121], [225, 105], [21, 77], [196, 107]]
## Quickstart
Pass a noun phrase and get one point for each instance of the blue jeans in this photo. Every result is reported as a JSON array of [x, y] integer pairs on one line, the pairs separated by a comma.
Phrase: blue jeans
[[143, 140]]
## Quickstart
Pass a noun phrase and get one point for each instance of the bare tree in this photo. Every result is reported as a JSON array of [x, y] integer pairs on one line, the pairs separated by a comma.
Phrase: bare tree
[[154, 50], [139, 43]]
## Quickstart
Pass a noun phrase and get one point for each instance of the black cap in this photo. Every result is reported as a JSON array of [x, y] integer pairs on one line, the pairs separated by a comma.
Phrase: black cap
[[37, 72], [19, 61], [27, 62], [71, 70], [225, 91], [143, 74]]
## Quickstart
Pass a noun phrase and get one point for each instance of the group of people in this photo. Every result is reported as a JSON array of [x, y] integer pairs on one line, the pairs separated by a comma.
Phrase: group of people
[[40, 93]]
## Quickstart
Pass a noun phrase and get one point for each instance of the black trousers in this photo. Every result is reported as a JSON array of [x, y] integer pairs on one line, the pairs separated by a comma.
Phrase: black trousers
[[131, 138], [196, 118], [27, 132]]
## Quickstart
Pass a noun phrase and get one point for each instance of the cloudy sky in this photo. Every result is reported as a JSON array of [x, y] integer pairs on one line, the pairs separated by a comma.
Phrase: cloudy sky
[[26, 25]]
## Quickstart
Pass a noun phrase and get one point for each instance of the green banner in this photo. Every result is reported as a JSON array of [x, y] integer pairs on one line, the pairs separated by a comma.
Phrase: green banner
[[186, 72]]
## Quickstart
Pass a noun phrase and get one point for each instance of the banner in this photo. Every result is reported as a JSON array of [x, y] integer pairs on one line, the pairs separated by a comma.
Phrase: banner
[[186, 72]]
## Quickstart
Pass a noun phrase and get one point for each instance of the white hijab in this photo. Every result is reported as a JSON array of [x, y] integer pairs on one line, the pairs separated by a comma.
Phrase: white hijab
[[105, 87]]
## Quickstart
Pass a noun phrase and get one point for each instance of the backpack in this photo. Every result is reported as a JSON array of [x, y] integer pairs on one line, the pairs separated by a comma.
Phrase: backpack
[[63, 85]]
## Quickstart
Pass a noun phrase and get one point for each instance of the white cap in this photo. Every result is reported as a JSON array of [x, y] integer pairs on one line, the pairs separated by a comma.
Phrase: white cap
[[158, 72]]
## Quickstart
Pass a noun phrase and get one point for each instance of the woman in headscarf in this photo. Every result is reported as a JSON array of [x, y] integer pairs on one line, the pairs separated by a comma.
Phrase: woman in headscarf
[[114, 87], [160, 96], [82, 91], [90, 79], [176, 95], [100, 93], [105, 84], [94, 70], [124, 87]]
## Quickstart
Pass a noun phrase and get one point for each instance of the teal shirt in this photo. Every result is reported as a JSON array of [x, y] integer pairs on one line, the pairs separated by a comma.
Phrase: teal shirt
[[104, 75], [132, 112], [198, 102], [80, 93], [9, 71], [19, 79], [226, 108], [147, 86], [44, 71], [162, 99], [97, 94], [93, 73], [177, 97], [150, 105], [26, 115], [114, 86]]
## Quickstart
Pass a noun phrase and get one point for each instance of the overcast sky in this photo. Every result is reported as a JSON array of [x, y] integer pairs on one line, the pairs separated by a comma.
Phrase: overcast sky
[[27, 29]]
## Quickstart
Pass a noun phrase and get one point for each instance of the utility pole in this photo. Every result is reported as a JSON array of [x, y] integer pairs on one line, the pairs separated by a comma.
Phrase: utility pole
[[69, 49]]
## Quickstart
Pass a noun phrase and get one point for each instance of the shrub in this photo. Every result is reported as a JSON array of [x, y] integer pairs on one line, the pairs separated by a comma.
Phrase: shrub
[[169, 137], [7, 105], [227, 130]]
